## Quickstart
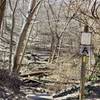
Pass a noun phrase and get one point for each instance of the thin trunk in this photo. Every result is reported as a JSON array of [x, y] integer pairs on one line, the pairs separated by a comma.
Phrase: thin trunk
[[55, 49], [11, 34], [2, 10]]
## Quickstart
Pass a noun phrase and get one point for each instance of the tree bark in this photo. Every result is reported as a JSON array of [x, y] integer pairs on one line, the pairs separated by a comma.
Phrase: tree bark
[[2, 10]]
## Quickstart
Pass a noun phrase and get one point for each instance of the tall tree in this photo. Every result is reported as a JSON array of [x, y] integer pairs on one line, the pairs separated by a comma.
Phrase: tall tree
[[24, 36]]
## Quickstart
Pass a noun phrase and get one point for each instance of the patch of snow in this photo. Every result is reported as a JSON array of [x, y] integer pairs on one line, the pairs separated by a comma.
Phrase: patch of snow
[[67, 96], [40, 96]]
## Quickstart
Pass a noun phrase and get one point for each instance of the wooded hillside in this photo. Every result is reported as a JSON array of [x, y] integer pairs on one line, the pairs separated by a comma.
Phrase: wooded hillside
[[40, 42]]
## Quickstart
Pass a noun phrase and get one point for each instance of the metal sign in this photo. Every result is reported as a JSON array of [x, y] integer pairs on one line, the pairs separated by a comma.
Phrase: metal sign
[[85, 50], [86, 38]]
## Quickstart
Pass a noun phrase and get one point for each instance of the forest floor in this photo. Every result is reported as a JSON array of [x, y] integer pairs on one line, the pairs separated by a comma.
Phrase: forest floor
[[60, 82], [92, 92], [13, 88]]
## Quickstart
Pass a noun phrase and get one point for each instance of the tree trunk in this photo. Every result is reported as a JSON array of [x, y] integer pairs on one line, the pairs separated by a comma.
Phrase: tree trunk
[[2, 10], [24, 35], [11, 34]]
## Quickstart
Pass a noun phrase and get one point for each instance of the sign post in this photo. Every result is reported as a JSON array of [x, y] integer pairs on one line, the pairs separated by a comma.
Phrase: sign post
[[85, 45]]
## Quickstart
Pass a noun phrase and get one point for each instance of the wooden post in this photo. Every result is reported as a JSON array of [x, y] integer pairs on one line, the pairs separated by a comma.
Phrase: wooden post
[[82, 80]]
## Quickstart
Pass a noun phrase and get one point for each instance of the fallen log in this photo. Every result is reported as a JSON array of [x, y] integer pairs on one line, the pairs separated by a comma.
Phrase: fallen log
[[31, 83], [38, 73]]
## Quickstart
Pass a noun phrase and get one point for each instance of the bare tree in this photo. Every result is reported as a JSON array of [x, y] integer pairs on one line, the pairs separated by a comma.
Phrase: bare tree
[[24, 35], [58, 27]]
